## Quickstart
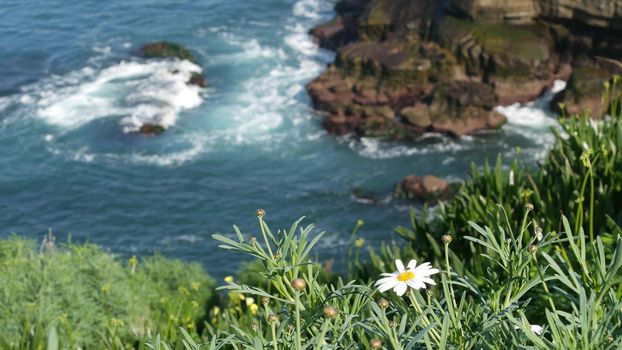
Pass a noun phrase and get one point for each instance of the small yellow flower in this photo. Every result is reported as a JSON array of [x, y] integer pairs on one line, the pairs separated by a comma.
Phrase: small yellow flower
[[585, 158], [242, 297], [133, 263], [116, 323], [106, 288], [195, 286], [229, 279], [249, 301], [183, 291], [254, 308], [359, 242]]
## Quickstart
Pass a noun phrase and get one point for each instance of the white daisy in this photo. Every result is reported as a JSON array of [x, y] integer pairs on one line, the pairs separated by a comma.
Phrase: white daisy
[[413, 276]]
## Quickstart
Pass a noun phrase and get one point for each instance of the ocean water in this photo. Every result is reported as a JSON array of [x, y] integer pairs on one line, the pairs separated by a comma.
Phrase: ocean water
[[73, 89]]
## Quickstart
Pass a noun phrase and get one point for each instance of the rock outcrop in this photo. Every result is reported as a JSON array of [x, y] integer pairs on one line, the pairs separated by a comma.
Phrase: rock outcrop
[[427, 188], [407, 67], [164, 49]]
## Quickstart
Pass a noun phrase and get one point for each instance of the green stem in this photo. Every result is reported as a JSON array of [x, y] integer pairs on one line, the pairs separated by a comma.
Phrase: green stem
[[424, 318], [591, 174], [395, 339], [265, 237], [298, 341], [321, 338], [546, 288], [273, 327], [451, 287]]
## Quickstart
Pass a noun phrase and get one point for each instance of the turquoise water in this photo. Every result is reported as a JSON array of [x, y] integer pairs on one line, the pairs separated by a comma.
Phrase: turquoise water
[[73, 89]]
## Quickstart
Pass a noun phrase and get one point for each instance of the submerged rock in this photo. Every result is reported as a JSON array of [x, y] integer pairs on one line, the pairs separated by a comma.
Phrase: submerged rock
[[151, 129], [427, 188], [165, 49], [197, 79]]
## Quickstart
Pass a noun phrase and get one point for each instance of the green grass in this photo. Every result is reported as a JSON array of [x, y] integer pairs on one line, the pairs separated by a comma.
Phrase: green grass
[[90, 299]]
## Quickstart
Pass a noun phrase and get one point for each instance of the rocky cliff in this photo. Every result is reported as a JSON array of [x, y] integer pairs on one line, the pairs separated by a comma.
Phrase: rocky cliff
[[404, 67]]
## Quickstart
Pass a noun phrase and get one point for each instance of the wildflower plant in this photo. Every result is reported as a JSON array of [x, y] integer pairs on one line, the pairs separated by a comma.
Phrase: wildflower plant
[[299, 311]]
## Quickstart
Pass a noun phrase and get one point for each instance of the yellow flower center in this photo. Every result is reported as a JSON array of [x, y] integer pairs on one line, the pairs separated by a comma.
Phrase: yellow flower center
[[405, 276]]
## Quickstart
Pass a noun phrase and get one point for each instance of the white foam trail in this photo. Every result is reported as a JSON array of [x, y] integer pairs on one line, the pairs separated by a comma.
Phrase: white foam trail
[[378, 149], [251, 49], [536, 114], [197, 146], [172, 159], [137, 93]]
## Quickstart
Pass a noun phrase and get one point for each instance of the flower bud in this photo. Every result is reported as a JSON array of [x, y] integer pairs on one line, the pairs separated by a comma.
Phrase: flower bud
[[383, 303], [375, 343], [529, 206], [446, 239], [429, 292], [532, 249], [299, 284], [254, 326], [539, 233], [273, 318], [330, 311], [265, 300], [393, 323], [260, 213]]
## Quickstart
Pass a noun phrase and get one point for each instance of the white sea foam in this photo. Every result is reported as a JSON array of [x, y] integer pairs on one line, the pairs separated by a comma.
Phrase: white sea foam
[[137, 93], [191, 147], [378, 149], [536, 114], [196, 148], [308, 9]]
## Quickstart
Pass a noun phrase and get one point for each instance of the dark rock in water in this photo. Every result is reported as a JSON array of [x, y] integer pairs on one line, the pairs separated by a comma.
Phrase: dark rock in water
[[164, 49], [151, 129], [427, 189], [361, 196], [197, 79]]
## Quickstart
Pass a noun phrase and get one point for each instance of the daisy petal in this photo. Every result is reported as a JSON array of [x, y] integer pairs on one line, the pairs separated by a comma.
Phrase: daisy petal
[[385, 280], [428, 281], [400, 265], [400, 288], [412, 264], [388, 285]]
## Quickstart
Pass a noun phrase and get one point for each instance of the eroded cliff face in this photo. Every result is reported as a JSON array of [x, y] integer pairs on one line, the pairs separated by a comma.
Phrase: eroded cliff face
[[405, 67], [594, 13]]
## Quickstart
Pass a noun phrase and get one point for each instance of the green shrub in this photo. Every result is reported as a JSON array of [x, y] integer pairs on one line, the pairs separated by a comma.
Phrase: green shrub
[[561, 290], [87, 298]]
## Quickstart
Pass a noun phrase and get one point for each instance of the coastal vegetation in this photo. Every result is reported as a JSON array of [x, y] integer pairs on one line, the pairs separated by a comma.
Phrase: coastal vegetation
[[526, 257]]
